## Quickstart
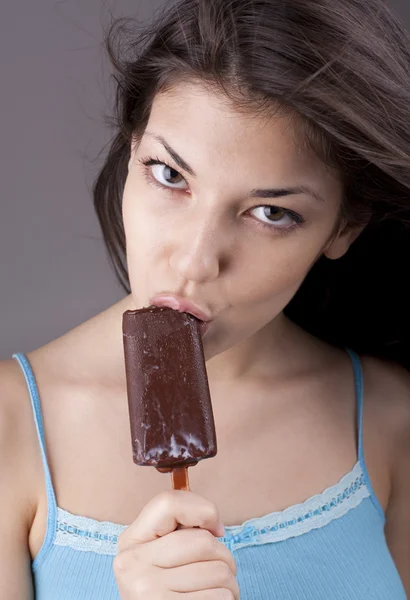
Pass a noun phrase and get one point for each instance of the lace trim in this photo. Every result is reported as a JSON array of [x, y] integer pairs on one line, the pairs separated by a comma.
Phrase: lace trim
[[87, 535], [101, 537], [314, 513]]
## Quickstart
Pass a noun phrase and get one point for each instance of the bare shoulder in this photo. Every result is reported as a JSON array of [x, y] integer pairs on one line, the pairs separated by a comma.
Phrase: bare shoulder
[[10, 406], [387, 387], [19, 451], [19, 482]]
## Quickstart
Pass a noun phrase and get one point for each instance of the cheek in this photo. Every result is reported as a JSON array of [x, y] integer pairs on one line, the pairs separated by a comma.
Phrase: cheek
[[272, 274], [142, 232]]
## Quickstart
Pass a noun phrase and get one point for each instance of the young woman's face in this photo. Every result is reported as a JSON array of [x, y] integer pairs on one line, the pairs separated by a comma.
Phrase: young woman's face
[[222, 209]]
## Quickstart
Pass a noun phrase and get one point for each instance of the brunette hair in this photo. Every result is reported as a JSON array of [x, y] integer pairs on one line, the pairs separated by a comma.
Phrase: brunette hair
[[342, 68]]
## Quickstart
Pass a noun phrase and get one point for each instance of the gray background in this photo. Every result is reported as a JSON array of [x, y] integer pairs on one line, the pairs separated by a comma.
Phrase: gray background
[[55, 92]]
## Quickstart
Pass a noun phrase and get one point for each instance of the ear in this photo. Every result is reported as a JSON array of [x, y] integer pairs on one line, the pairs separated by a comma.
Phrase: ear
[[341, 243]]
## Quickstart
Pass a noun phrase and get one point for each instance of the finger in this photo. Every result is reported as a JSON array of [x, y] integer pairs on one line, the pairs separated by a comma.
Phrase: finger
[[168, 510], [186, 546], [137, 579], [201, 576]]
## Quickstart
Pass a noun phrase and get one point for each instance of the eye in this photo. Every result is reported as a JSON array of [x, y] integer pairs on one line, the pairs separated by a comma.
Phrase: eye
[[168, 176], [165, 175], [276, 216]]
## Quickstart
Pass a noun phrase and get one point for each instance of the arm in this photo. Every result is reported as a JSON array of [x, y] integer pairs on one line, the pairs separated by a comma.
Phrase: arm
[[398, 511], [17, 503], [387, 401]]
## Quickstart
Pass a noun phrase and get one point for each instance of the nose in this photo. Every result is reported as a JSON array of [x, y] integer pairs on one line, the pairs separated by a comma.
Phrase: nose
[[197, 253]]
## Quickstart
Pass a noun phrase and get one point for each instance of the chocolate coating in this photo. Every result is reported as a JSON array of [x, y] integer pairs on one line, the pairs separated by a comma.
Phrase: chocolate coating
[[170, 408]]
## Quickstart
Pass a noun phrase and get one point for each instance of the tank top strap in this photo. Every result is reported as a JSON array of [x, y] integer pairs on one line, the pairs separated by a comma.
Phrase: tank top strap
[[38, 419], [358, 380]]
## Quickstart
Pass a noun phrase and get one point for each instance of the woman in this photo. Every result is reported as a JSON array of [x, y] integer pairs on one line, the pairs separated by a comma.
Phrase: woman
[[260, 179]]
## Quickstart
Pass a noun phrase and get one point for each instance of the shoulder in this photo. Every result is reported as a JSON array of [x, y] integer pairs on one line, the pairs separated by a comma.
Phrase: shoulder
[[19, 451], [18, 504], [387, 407], [387, 386], [11, 398], [387, 389]]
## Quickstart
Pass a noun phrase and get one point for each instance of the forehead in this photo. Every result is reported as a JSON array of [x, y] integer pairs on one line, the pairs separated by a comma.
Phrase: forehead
[[206, 128]]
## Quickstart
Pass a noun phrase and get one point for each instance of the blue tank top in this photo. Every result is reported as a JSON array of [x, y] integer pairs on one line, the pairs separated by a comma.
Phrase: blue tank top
[[330, 547]]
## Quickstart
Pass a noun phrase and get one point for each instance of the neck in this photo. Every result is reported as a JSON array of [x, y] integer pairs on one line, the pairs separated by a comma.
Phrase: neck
[[256, 356]]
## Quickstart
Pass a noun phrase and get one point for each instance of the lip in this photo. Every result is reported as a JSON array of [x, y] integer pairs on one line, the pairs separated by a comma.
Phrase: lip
[[182, 305]]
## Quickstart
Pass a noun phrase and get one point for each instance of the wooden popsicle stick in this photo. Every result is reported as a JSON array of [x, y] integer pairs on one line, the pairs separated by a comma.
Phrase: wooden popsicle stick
[[180, 480]]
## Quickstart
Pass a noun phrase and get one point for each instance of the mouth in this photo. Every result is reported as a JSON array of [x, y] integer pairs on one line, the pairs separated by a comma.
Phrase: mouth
[[184, 305], [181, 305]]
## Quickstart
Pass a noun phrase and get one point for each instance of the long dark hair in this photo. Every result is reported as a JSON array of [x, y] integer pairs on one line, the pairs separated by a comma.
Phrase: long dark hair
[[342, 66]]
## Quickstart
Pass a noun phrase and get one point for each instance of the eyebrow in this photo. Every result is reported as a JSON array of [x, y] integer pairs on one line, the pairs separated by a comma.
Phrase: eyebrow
[[262, 193]]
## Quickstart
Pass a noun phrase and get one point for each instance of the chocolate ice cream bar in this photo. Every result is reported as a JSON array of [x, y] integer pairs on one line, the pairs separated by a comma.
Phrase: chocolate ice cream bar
[[172, 424]]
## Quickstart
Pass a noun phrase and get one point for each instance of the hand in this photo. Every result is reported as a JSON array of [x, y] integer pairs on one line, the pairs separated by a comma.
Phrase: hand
[[158, 561]]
